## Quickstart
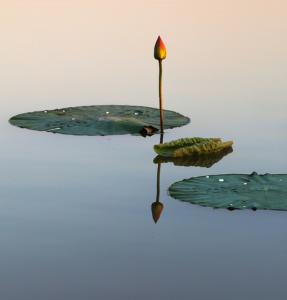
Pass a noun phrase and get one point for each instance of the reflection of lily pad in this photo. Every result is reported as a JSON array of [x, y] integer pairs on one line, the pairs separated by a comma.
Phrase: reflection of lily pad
[[98, 120], [191, 146], [234, 191], [195, 160]]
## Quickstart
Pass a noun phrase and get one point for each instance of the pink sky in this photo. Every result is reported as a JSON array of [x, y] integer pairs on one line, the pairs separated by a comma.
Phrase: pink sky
[[57, 52]]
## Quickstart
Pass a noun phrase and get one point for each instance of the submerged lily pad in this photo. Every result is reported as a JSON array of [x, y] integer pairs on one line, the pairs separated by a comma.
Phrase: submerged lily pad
[[98, 120], [196, 160], [191, 146], [234, 191]]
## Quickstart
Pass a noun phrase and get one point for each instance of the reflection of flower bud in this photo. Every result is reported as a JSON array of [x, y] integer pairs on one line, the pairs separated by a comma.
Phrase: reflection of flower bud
[[156, 209], [159, 49]]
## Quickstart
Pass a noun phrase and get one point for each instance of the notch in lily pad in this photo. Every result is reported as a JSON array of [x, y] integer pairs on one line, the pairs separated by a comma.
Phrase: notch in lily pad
[[234, 191]]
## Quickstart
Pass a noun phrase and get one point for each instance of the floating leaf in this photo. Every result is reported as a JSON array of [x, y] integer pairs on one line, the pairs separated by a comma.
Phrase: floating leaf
[[191, 146], [98, 120], [195, 160], [234, 191]]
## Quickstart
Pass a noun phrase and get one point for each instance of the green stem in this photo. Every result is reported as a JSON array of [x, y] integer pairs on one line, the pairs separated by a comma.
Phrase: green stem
[[160, 96]]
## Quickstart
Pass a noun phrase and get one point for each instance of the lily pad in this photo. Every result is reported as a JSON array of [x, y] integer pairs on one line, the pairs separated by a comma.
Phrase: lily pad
[[234, 191], [196, 160], [98, 120], [191, 146]]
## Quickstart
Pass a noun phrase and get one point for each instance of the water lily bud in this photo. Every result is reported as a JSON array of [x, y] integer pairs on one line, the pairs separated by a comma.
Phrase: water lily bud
[[159, 49], [156, 209]]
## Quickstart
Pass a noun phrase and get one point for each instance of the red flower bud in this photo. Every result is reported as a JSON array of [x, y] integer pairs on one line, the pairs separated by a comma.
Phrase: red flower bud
[[159, 49]]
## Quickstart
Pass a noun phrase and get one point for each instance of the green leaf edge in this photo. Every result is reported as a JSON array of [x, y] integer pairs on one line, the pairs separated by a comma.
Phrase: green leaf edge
[[191, 146]]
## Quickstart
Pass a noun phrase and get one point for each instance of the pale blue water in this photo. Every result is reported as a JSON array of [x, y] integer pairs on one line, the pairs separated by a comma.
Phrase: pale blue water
[[75, 217]]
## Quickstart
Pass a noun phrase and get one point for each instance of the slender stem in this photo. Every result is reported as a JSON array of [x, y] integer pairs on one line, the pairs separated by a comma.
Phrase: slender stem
[[161, 130], [161, 138], [158, 174], [160, 96], [158, 182]]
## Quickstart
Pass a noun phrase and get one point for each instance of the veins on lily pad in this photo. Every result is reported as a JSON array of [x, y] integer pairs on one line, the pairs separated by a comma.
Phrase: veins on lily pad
[[234, 191], [192, 146], [100, 120]]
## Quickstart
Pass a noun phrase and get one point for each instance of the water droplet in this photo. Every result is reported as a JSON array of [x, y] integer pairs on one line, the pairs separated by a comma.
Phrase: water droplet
[[63, 110], [107, 112], [207, 176], [245, 183], [221, 179], [73, 119], [136, 113], [52, 129], [45, 111]]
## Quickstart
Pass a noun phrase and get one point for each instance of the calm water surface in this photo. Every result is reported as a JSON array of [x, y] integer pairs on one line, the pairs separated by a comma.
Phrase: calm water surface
[[76, 221], [75, 212]]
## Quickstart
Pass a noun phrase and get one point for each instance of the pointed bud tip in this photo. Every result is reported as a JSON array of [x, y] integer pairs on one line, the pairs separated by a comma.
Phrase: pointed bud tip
[[159, 49]]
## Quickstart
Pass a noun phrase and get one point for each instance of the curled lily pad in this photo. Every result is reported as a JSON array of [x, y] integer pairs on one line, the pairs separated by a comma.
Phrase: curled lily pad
[[196, 160], [98, 120], [191, 146], [234, 191]]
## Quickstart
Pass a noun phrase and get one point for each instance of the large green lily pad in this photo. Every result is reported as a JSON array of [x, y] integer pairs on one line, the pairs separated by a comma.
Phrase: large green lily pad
[[205, 161], [191, 146], [234, 191], [98, 120]]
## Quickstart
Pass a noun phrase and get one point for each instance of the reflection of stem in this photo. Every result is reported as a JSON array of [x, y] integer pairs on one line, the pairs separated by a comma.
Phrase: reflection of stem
[[157, 206], [158, 182], [161, 138], [158, 173], [160, 95]]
